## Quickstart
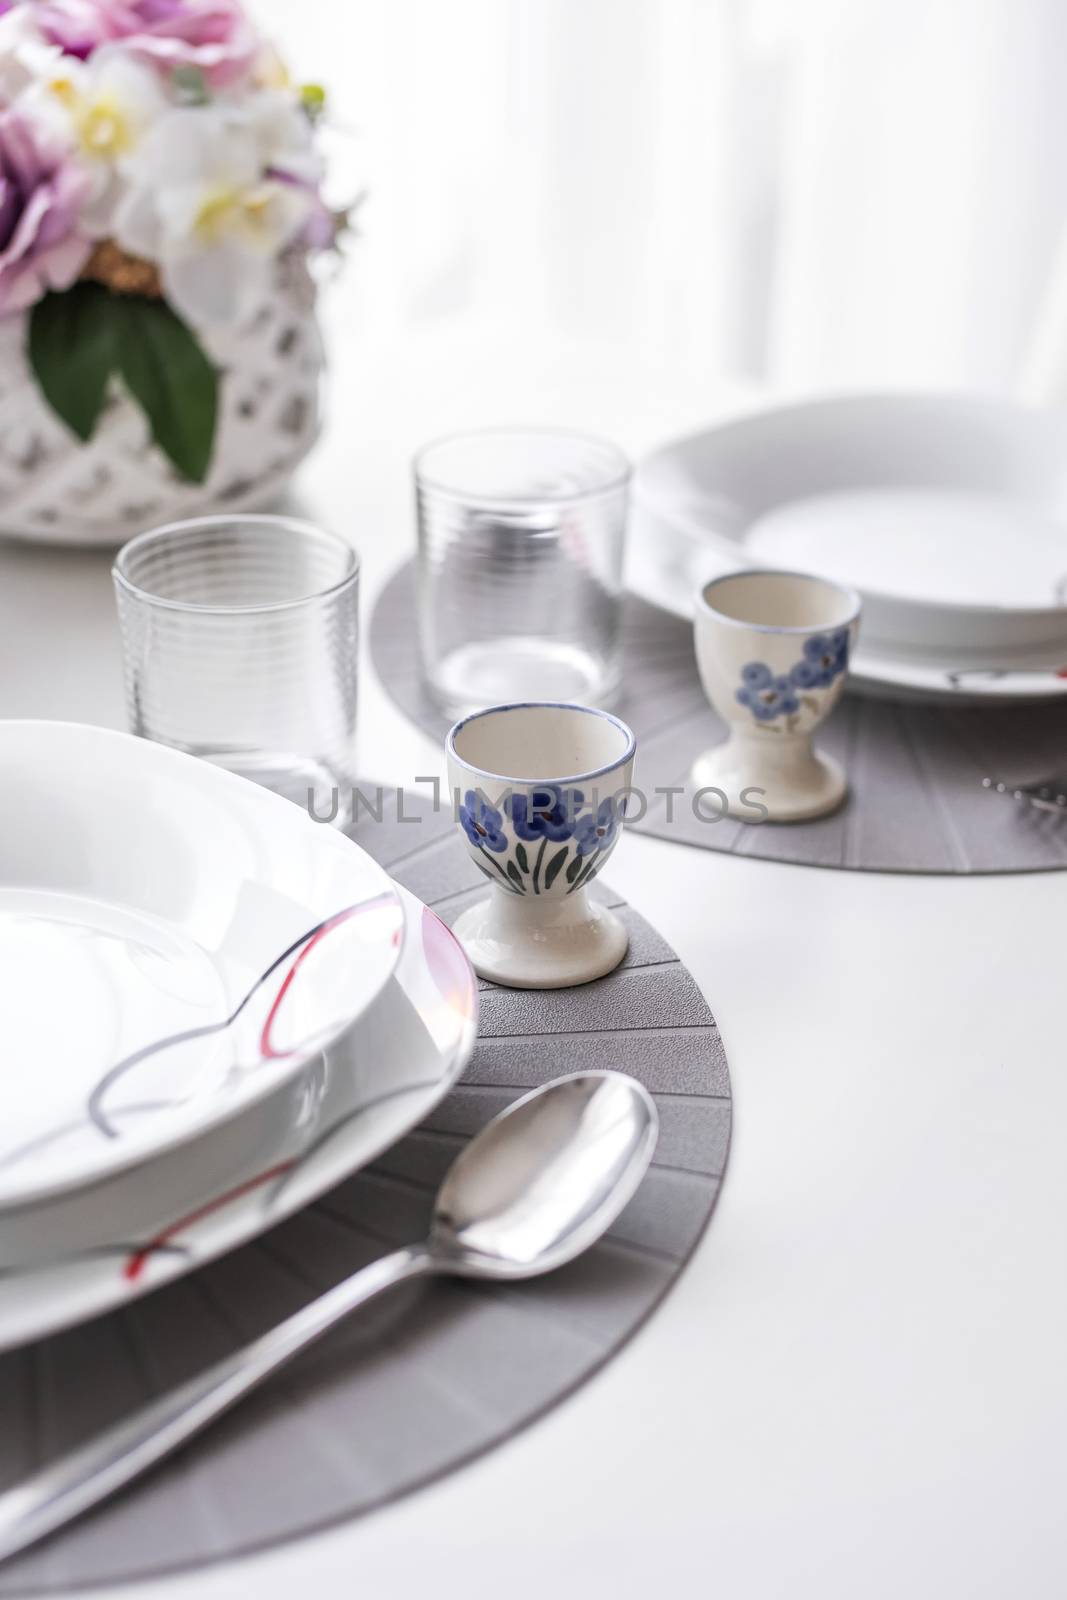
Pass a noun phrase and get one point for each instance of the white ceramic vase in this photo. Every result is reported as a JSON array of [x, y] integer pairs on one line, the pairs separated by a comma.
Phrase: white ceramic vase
[[56, 489]]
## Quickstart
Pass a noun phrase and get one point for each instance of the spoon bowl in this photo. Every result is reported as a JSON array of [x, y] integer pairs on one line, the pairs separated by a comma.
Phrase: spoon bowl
[[543, 1181]]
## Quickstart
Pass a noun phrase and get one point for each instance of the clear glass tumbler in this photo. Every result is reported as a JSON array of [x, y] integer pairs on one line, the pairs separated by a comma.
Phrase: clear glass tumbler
[[240, 636], [521, 536]]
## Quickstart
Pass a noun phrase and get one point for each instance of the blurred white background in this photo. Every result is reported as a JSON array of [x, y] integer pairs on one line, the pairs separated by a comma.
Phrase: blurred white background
[[794, 194]]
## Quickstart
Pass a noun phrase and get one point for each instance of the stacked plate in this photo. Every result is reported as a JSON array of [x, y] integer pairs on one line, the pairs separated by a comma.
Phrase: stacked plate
[[215, 1009], [949, 515]]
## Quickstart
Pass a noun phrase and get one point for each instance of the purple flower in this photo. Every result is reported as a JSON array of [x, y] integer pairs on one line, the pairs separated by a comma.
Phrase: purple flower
[[76, 26], [320, 229], [213, 37], [41, 194]]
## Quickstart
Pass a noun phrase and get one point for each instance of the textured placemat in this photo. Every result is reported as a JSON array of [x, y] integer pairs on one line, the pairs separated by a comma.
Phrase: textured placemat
[[431, 1374], [916, 803]]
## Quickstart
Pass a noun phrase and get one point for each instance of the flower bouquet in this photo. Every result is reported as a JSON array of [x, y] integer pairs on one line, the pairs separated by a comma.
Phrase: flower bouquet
[[159, 199]]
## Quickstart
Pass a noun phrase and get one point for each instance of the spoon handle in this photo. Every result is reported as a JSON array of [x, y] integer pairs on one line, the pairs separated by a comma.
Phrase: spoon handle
[[122, 1452]]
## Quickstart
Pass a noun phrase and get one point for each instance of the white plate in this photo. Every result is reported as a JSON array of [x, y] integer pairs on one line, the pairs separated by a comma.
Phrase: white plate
[[670, 577], [175, 943], [161, 1220], [949, 515]]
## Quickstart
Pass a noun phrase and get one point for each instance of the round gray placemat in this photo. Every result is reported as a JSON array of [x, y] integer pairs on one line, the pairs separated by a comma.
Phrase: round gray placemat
[[431, 1374], [916, 801]]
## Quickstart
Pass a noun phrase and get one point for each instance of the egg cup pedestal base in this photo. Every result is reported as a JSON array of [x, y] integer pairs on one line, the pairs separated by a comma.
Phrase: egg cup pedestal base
[[792, 781], [530, 943]]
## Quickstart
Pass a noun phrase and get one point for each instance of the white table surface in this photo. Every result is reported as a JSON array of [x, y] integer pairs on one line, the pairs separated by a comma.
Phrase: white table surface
[[858, 1386]]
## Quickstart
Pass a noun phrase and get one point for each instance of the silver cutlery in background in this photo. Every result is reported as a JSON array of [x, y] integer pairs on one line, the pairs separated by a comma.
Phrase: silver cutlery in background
[[1051, 795], [535, 1188]]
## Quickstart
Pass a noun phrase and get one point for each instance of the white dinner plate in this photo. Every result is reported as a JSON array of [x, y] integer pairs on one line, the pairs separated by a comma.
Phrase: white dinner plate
[[175, 943], [143, 1228], [948, 514]]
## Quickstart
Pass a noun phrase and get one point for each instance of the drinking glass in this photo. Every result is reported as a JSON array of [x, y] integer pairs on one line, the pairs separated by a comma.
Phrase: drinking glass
[[240, 638], [521, 537]]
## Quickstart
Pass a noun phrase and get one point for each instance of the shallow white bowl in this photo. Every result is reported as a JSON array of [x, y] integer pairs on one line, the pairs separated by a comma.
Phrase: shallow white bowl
[[948, 514], [175, 943]]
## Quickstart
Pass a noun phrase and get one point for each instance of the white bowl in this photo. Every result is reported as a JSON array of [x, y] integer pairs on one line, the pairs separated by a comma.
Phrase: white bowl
[[948, 514], [175, 943]]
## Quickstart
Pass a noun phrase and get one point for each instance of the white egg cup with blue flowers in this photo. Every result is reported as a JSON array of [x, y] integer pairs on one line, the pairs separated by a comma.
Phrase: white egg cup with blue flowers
[[539, 790], [773, 651]]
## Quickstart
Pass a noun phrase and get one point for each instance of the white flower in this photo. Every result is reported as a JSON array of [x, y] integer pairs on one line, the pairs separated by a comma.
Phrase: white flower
[[108, 105], [284, 135], [213, 200], [25, 58]]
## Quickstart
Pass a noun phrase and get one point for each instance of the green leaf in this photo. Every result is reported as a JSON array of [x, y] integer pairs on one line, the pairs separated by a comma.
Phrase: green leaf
[[520, 857], [593, 867], [72, 351], [171, 379], [496, 877], [514, 874], [190, 85], [575, 867], [552, 870]]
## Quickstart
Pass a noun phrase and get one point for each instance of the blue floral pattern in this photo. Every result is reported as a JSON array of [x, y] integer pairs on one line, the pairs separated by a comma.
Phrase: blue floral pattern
[[770, 695], [546, 813], [597, 830], [825, 658], [482, 823], [766, 695], [547, 839]]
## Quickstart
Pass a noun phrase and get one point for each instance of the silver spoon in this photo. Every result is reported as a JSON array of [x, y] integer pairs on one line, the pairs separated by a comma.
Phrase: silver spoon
[[535, 1188]]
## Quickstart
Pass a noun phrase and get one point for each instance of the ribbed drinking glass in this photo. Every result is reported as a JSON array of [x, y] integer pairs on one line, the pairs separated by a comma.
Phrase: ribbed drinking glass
[[521, 536], [240, 637]]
